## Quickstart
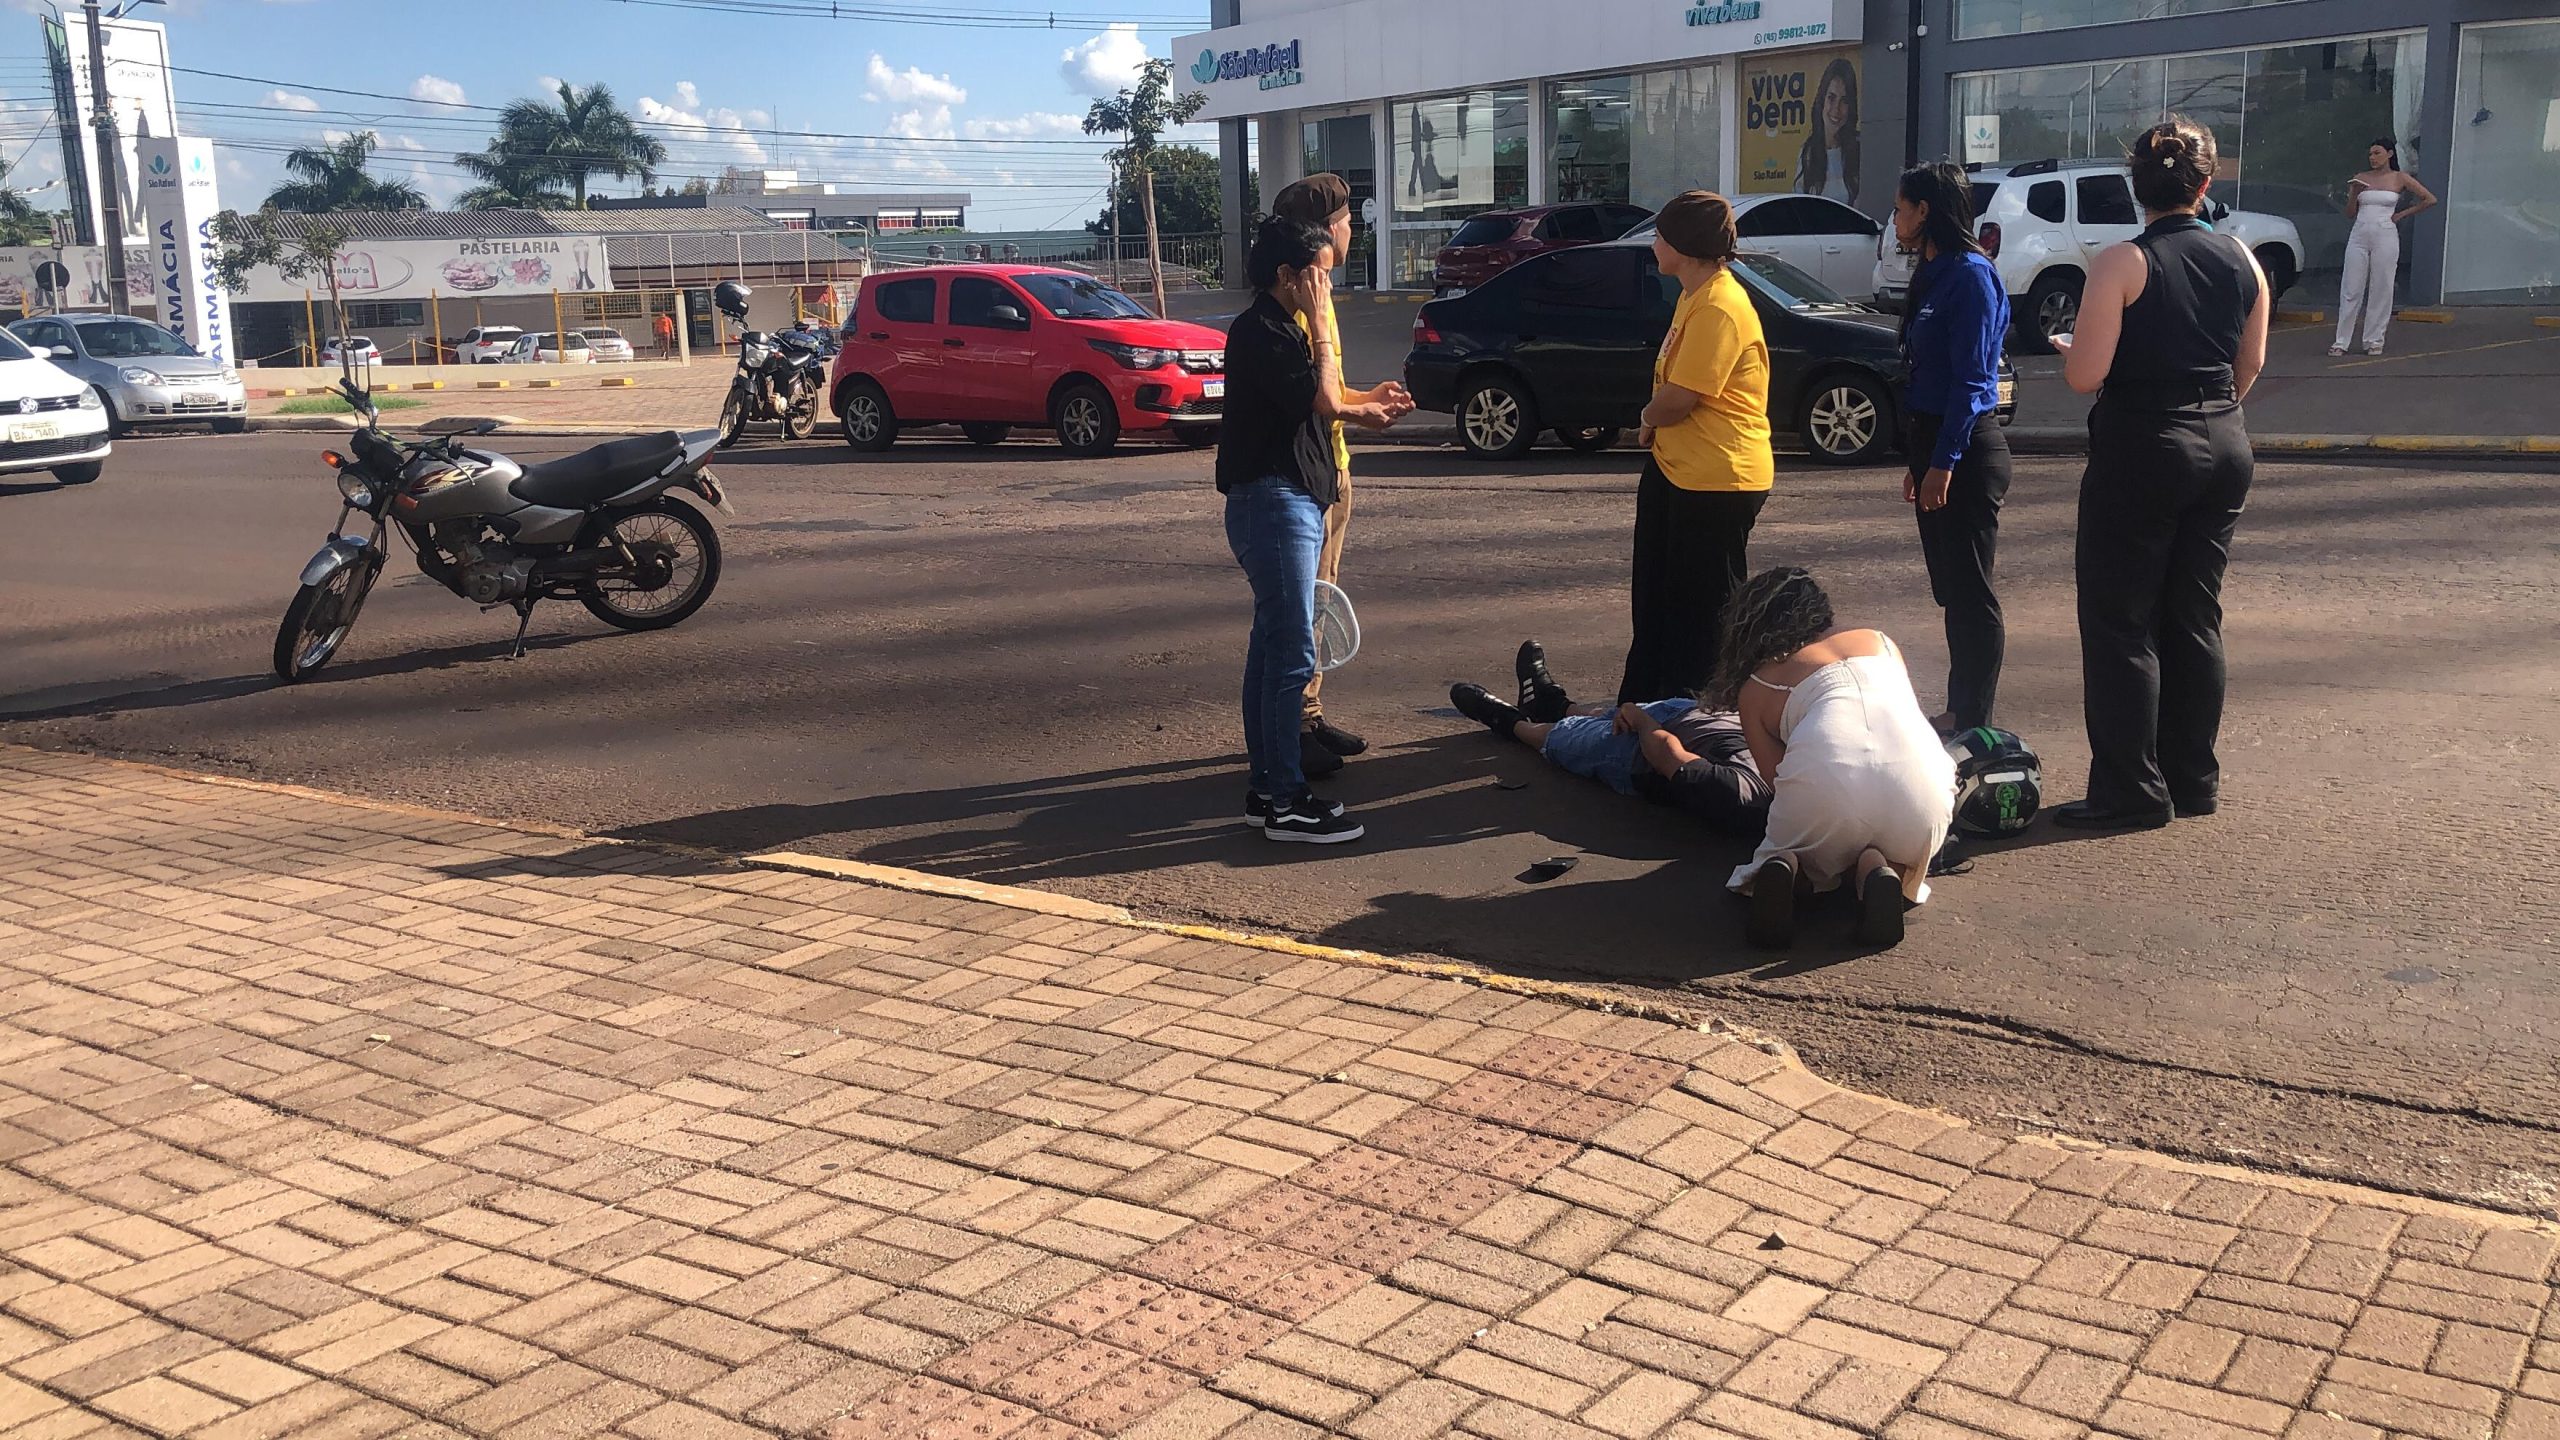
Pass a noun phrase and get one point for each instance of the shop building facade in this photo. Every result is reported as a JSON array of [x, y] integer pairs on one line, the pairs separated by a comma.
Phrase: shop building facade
[[2294, 90], [1435, 112]]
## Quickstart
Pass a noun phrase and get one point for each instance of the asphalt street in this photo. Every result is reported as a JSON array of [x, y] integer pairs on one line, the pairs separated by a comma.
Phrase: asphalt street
[[1013, 666]]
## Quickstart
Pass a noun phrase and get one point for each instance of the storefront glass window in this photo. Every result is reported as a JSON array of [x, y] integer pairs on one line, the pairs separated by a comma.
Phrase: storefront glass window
[[1635, 139], [2502, 197], [2291, 122], [1341, 145], [1977, 18], [1455, 155]]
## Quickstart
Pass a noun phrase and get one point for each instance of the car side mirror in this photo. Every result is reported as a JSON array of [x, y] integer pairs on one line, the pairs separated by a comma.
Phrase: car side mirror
[[1010, 317], [64, 352]]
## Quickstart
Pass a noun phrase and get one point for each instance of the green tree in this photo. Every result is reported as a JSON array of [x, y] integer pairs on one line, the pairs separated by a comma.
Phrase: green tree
[[584, 134], [300, 250], [332, 177], [1187, 201], [1142, 114], [510, 183], [22, 223]]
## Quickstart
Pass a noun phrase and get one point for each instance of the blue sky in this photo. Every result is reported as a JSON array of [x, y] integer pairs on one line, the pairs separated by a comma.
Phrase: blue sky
[[718, 84]]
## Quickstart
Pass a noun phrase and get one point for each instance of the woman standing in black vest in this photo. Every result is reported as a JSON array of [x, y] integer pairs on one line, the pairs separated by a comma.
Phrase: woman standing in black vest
[[2172, 333]]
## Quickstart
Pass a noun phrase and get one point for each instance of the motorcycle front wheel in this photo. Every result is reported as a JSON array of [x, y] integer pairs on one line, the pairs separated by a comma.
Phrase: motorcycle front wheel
[[317, 621], [800, 413], [679, 563], [733, 417]]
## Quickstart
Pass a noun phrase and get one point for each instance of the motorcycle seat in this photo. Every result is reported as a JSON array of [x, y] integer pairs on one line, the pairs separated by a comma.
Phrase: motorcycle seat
[[593, 476]]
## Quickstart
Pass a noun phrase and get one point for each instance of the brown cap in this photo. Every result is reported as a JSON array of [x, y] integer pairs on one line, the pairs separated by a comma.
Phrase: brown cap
[[1698, 224], [1314, 200]]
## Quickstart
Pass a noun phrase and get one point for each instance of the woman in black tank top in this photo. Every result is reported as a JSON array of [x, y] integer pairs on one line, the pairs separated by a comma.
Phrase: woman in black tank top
[[2173, 332]]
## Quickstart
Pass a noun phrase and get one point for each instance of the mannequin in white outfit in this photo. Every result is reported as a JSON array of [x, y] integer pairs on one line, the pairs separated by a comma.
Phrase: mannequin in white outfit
[[2373, 245]]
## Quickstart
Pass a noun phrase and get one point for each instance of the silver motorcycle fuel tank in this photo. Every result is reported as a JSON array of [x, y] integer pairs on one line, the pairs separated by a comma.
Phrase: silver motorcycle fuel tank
[[474, 484]]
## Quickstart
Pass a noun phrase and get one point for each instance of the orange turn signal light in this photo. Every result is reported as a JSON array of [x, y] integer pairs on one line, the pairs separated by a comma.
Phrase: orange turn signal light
[[333, 459]]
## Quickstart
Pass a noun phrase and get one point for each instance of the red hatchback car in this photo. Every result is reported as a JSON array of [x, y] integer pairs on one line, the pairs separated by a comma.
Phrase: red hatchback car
[[989, 347], [1493, 242]]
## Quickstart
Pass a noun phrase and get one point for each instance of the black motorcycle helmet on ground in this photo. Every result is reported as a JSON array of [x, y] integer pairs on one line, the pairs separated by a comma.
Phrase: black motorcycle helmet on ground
[[1999, 782], [729, 297]]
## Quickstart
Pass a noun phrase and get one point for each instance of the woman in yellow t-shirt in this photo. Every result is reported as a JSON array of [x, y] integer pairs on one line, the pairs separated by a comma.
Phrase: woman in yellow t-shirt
[[1708, 429]]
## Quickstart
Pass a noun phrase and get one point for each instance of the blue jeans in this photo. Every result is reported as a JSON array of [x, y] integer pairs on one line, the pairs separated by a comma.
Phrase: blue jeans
[[1582, 745], [1276, 530]]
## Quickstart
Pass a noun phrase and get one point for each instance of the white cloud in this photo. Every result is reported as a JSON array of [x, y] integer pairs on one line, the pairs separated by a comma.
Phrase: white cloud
[[922, 123], [402, 142], [1039, 124], [692, 121], [908, 86], [287, 100], [435, 88], [1106, 64]]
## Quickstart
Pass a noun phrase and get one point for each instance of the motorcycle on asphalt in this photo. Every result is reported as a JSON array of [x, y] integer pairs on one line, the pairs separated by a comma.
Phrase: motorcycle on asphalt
[[780, 375], [601, 527]]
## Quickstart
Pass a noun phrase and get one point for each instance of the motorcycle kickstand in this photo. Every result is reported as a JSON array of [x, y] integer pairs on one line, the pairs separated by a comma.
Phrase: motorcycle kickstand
[[524, 619]]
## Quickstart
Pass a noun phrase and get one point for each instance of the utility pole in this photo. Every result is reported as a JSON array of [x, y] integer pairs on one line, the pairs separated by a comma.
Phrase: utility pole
[[110, 201]]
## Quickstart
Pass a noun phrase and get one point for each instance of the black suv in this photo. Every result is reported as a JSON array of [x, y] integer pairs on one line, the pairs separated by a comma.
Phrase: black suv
[[1566, 342]]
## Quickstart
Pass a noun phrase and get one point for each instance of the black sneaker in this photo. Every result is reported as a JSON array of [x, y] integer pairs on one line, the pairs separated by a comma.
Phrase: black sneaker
[[1314, 760], [1336, 739], [1541, 698], [1771, 921], [1309, 821], [1478, 704], [1257, 806]]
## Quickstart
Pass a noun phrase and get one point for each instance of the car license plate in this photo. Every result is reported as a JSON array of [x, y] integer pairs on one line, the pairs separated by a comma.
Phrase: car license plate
[[38, 430], [1213, 389], [1453, 292], [2008, 392], [199, 397]]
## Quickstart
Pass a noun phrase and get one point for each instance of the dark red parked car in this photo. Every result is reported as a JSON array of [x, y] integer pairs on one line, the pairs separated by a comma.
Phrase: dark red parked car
[[1495, 241]]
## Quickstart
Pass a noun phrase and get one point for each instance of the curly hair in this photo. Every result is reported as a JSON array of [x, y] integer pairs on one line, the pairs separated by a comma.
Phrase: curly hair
[[1774, 615]]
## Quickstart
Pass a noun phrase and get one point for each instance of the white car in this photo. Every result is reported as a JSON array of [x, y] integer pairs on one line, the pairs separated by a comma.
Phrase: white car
[[50, 419], [606, 342], [541, 347], [1823, 238], [2042, 222], [350, 347], [486, 344]]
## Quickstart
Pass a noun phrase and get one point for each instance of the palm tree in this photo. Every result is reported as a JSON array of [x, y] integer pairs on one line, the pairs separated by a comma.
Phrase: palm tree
[[1142, 113], [332, 177], [586, 133], [510, 183]]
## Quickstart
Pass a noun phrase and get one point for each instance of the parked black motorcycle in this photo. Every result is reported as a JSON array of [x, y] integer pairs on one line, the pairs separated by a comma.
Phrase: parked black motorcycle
[[780, 373], [599, 527]]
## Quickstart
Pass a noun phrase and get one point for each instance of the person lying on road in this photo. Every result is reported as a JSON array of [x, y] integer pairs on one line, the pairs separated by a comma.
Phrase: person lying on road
[[1673, 752]]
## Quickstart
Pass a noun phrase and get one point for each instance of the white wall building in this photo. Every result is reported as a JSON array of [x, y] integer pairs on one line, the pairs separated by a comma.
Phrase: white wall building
[[1434, 111]]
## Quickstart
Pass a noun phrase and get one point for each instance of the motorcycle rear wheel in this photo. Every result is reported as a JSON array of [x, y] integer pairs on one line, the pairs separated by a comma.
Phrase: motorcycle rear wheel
[[680, 565], [800, 414], [317, 622], [733, 417]]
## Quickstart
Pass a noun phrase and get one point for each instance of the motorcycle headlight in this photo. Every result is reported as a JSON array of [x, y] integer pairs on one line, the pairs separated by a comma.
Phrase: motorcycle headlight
[[357, 493], [136, 375], [1136, 357], [89, 400]]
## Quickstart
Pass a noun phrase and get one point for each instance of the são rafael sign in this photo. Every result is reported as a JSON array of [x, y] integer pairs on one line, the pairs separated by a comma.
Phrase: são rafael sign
[[1273, 65]]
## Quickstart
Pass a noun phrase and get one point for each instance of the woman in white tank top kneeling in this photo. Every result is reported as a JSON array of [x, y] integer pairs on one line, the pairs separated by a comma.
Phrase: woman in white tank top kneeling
[[1864, 788]]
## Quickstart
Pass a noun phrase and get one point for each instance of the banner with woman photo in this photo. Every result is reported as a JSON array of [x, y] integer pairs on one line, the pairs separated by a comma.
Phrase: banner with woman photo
[[1800, 117]]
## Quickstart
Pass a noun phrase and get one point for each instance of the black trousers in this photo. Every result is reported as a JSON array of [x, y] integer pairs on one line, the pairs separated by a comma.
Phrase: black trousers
[[1958, 541], [2158, 504], [1689, 558]]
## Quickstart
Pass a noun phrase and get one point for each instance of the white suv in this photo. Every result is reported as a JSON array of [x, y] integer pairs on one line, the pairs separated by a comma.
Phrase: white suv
[[484, 344], [2043, 221]]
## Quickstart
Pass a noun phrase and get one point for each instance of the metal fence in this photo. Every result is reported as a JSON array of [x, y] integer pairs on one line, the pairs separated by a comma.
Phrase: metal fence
[[1191, 262]]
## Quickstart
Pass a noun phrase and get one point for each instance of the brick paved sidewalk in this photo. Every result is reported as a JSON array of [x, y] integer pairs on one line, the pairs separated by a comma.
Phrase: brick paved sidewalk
[[328, 1120]]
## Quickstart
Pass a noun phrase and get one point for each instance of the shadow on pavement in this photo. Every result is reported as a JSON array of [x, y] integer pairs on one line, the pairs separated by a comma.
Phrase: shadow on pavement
[[230, 687]]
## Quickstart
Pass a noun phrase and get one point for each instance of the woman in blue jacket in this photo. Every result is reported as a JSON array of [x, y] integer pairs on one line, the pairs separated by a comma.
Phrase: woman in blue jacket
[[1953, 325]]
